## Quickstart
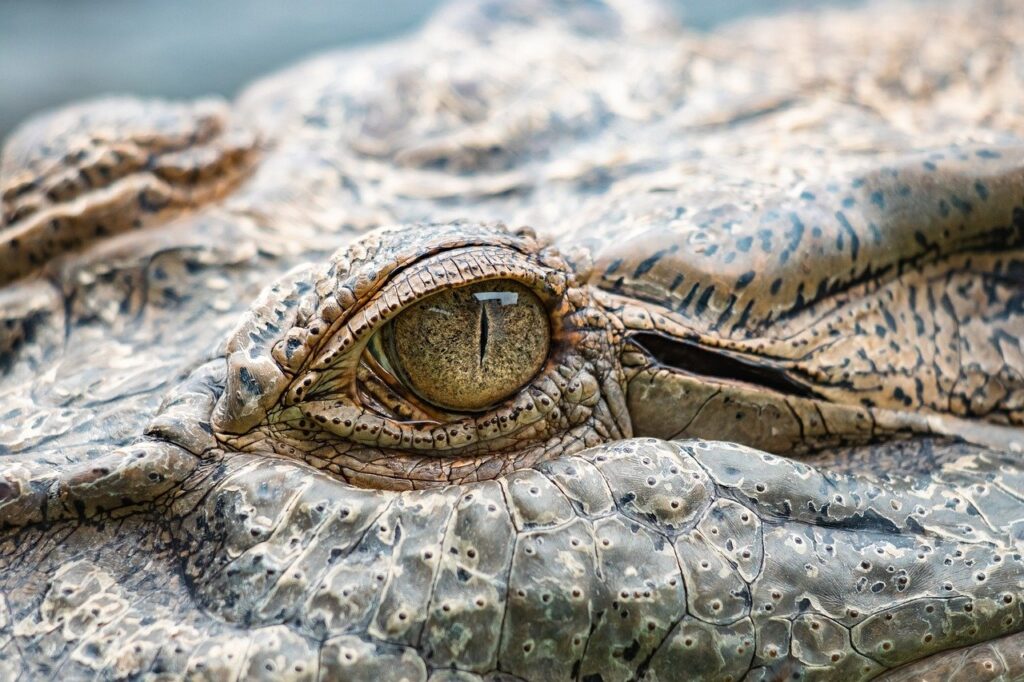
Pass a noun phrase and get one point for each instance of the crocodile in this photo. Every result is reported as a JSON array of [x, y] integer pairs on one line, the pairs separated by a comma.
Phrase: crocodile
[[553, 341]]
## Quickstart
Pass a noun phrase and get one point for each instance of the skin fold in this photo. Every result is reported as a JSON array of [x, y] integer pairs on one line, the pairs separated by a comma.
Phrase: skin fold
[[777, 433]]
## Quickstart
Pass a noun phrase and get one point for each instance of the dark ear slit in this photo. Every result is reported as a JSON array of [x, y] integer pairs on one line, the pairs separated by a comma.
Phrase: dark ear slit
[[713, 363]]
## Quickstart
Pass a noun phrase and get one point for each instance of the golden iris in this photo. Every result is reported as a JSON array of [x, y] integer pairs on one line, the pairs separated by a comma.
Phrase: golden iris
[[467, 348]]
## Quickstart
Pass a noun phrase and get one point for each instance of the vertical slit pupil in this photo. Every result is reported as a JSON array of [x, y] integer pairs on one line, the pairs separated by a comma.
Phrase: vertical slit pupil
[[483, 332]]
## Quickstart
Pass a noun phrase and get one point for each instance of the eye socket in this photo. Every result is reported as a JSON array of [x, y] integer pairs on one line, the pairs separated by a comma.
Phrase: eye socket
[[467, 348]]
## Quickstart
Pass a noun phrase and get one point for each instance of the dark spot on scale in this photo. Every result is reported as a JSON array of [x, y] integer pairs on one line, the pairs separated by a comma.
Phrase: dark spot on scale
[[961, 205], [151, 202], [644, 266], [613, 266], [876, 234], [795, 234], [890, 321], [315, 121], [676, 282], [249, 382], [685, 303], [807, 196], [878, 199], [981, 189], [776, 285], [987, 154], [630, 652], [744, 318], [726, 313], [849, 202], [745, 279], [744, 243], [854, 240], [25, 188], [702, 302]]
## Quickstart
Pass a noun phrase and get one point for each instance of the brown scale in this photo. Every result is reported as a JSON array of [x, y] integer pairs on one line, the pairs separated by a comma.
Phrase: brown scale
[[168, 158]]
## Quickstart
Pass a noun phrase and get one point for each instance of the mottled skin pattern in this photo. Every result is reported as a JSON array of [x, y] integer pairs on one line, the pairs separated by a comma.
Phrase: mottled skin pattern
[[801, 236]]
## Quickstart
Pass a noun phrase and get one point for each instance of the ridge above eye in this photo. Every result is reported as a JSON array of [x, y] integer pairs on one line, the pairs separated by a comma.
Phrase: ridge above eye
[[466, 348]]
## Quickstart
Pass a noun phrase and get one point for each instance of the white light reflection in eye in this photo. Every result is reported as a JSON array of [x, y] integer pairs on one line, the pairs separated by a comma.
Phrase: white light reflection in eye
[[503, 297]]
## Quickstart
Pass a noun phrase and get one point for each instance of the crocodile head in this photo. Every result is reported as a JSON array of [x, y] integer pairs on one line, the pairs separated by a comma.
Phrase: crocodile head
[[743, 398]]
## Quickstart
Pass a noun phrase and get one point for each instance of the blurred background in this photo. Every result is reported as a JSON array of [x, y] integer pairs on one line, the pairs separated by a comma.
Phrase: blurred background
[[55, 51]]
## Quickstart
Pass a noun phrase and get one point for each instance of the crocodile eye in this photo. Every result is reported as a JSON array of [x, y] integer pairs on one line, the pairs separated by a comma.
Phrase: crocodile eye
[[467, 348]]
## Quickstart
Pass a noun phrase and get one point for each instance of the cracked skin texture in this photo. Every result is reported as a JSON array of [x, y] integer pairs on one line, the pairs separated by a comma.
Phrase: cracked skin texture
[[778, 431]]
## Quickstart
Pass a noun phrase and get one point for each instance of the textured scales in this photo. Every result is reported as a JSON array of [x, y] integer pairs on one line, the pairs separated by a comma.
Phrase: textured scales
[[800, 239]]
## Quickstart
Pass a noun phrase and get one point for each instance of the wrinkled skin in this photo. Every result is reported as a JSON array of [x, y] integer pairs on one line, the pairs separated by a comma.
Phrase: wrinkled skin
[[778, 434]]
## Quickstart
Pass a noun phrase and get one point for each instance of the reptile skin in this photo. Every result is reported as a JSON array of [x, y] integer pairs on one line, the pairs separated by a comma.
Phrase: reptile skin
[[777, 433]]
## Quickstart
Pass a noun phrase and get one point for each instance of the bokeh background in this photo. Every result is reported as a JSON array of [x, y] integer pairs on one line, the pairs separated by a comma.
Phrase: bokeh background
[[55, 51]]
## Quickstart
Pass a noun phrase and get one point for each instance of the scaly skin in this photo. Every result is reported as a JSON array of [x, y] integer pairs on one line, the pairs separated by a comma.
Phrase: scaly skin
[[778, 434]]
